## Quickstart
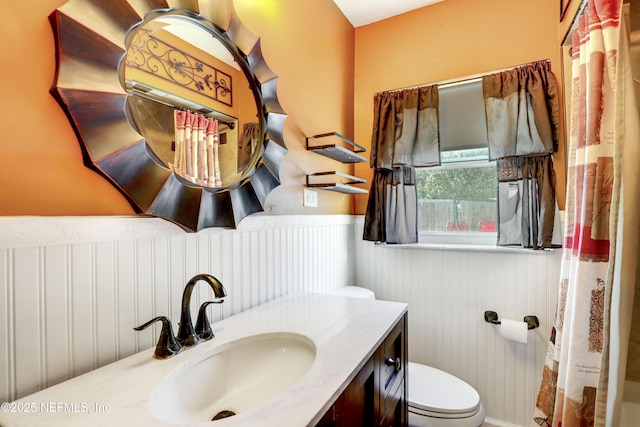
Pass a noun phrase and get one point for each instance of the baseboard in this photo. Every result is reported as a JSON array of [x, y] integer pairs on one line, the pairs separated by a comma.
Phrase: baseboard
[[490, 422]]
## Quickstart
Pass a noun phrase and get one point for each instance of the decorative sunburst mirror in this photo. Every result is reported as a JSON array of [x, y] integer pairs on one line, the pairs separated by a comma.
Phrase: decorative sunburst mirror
[[126, 69]]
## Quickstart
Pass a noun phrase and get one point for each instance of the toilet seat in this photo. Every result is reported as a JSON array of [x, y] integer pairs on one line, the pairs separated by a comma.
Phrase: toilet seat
[[435, 393]]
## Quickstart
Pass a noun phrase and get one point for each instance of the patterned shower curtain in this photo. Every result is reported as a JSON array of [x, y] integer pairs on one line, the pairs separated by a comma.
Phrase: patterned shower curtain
[[196, 157], [576, 383]]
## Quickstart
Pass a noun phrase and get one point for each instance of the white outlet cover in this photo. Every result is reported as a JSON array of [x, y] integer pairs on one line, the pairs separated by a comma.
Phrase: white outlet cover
[[310, 198]]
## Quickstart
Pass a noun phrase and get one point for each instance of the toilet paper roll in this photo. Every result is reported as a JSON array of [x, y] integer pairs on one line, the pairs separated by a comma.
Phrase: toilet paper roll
[[514, 330]]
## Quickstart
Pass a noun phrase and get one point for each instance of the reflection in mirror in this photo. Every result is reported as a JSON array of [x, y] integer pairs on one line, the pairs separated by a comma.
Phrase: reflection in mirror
[[191, 101]]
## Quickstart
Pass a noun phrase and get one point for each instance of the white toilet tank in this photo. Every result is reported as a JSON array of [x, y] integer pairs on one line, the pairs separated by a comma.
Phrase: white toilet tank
[[355, 292]]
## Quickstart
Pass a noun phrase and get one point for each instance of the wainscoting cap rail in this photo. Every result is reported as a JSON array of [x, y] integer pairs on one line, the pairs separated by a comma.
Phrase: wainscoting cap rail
[[36, 231]]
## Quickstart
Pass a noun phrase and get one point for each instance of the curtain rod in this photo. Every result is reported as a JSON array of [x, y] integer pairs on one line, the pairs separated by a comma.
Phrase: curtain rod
[[458, 81]]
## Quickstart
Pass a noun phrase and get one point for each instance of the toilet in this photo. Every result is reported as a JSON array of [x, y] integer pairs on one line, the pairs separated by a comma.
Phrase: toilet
[[354, 291], [435, 398]]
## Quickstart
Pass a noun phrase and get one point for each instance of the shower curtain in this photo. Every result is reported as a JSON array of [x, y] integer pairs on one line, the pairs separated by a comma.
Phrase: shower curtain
[[196, 157], [584, 368]]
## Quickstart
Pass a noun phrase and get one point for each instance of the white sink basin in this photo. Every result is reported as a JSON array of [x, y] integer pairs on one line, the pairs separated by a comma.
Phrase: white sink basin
[[237, 377]]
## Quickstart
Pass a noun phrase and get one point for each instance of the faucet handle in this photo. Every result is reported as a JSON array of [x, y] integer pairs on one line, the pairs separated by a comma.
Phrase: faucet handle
[[203, 327], [167, 345]]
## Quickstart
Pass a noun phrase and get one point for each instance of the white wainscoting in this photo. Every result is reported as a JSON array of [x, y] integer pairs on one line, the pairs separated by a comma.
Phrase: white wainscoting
[[448, 290], [72, 289]]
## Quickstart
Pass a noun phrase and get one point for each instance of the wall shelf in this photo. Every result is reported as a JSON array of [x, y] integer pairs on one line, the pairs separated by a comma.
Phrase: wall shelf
[[340, 183], [336, 151], [343, 150]]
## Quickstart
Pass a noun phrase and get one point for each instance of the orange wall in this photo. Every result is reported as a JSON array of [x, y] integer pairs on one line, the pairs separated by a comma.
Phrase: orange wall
[[308, 44], [42, 171], [449, 40], [328, 73]]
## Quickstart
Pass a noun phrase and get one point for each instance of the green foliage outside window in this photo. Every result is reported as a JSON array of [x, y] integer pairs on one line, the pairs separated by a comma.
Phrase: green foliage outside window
[[459, 183], [457, 198]]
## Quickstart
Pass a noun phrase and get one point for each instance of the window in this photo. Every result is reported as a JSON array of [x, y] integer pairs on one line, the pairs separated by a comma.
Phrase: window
[[457, 200]]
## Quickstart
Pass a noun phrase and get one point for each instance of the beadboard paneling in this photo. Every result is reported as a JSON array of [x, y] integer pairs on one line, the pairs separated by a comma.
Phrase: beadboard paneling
[[448, 292], [72, 290], [71, 293]]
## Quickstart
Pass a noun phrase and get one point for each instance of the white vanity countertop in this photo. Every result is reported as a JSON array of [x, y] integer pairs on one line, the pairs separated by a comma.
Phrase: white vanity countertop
[[346, 331]]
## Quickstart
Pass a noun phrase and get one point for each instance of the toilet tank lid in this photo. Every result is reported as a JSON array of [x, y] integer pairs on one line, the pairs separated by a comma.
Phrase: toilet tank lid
[[355, 291], [434, 390]]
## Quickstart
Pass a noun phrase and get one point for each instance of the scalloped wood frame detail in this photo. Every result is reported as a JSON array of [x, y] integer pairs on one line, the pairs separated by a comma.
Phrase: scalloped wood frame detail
[[90, 43]]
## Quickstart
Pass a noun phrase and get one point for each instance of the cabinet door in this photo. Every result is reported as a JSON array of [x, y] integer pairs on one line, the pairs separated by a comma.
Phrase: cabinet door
[[330, 419], [396, 415], [358, 406], [354, 407]]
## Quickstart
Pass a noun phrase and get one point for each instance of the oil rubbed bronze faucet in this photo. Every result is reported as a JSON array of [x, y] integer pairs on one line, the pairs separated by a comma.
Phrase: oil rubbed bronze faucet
[[169, 345], [187, 336]]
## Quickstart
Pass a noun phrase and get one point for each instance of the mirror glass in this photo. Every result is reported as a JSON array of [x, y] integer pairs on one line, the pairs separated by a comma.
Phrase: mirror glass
[[190, 98]]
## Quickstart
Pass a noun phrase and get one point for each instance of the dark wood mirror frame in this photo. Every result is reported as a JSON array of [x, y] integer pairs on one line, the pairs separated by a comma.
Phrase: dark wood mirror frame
[[90, 44]]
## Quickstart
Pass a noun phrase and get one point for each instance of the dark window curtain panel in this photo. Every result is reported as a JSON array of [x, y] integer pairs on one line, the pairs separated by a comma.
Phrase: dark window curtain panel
[[526, 194], [392, 211], [405, 135], [247, 144], [522, 126], [522, 110]]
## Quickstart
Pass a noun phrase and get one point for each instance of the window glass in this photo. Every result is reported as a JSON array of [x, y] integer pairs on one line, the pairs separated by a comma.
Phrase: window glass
[[457, 197]]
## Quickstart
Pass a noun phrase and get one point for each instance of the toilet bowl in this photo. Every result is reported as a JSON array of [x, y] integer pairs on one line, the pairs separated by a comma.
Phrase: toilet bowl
[[435, 398], [438, 399]]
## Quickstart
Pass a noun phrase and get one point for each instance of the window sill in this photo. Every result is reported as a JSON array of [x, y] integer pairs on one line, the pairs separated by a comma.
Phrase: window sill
[[466, 238], [488, 245], [468, 248]]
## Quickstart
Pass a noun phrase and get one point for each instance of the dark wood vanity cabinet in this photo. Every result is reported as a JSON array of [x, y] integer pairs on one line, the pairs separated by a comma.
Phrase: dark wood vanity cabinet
[[376, 396]]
